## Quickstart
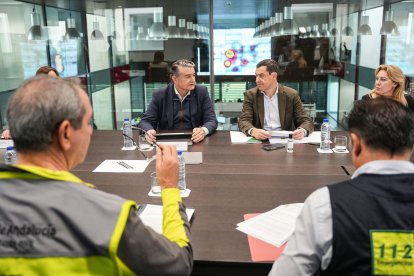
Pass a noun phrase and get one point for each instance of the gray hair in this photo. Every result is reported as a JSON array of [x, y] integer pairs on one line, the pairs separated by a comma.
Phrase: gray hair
[[37, 109], [183, 63]]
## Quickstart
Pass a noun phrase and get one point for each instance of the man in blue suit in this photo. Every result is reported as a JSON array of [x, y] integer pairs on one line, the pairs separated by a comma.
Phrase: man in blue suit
[[182, 105]]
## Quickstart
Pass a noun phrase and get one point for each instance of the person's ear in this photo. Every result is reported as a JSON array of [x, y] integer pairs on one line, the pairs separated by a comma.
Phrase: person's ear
[[356, 144], [63, 136]]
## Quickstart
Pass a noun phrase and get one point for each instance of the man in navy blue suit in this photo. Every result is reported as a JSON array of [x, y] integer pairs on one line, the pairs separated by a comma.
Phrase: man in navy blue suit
[[182, 105]]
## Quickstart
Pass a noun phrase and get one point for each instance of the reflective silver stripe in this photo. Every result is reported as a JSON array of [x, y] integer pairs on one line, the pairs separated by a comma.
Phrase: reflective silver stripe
[[55, 218]]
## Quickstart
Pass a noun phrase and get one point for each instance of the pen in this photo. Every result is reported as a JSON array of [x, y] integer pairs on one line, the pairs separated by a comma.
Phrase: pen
[[153, 142], [125, 165]]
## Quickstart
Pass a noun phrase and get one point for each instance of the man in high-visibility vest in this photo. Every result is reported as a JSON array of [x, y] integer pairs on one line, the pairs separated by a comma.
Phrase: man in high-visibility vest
[[52, 223]]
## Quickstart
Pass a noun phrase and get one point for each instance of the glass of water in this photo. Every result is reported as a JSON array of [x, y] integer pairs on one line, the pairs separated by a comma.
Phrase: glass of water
[[143, 144], [341, 143], [155, 185]]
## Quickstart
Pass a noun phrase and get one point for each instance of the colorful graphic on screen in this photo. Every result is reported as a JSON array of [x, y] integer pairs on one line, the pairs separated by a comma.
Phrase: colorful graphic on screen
[[236, 52]]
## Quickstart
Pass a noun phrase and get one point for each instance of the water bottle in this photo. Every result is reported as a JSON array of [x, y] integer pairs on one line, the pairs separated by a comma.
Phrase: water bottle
[[127, 130], [325, 135], [289, 144], [181, 171], [10, 156]]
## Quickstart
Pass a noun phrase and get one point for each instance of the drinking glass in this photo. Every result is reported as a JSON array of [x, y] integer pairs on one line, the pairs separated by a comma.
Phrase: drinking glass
[[155, 186], [143, 144], [341, 143]]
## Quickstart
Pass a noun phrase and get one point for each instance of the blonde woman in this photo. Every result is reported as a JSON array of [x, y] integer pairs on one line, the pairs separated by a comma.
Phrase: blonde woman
[[296, 69], [389, 82]]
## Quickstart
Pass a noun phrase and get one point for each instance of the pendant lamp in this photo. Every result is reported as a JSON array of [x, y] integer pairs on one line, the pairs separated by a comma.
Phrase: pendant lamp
[[289, 26], [172, 30], [388, 26], [364, 28], [157, 31], [71, 31], [35, 31]]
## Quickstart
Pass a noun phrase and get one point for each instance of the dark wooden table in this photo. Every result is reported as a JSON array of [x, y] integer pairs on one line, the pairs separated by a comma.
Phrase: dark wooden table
[[233, 180]]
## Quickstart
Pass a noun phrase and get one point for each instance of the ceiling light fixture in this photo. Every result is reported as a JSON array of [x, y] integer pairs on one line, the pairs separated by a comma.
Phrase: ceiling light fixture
[[315, 31], [190, 30], [325, 30], [35, 31], [364, 28], [96, 33], [71, 32], [140, 33], [172, 30], [275, 28], [347, 31], [388, 26], [289, 26], [182, 28], [196, 32], [157, 31]]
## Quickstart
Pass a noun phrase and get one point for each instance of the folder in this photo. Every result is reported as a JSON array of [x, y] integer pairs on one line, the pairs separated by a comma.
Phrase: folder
[[261, 251]]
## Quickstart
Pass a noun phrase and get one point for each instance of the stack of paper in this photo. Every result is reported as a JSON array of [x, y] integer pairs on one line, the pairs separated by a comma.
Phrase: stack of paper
[[5, 143], [121, 166], [151, 215], [280, 133], [183, 146], [238, 137], [261, 251], [274, 226]]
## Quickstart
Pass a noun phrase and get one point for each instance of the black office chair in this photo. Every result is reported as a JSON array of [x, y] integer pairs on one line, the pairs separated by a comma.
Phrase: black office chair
[[158, 75]]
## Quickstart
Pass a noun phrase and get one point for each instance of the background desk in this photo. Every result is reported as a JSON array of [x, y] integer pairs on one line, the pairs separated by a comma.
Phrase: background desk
[[233, 180]]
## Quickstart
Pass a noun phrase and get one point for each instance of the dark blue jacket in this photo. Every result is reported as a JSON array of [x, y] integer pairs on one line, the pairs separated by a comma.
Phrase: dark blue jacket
[[159, 115]]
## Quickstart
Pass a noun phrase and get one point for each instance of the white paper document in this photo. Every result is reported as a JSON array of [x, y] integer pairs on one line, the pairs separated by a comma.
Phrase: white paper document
[[4, 143], [314, 137], [183, 146], [274, 226], [280, 133], [239, 137], [194, 157], [183, 193], [151, 215], [123, 166]]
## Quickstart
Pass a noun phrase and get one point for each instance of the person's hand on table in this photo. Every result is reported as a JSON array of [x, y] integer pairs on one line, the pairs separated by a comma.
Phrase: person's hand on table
[[6, 134], [167, 166], [260, 134], [298, 134], [198, 135], [150, 135]]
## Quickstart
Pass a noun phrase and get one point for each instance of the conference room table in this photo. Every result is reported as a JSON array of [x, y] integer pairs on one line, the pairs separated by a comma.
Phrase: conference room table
[[233, 180]]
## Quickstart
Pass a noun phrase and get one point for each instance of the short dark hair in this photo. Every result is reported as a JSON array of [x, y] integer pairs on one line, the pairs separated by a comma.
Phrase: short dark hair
[[158, 57], [271, 65], [38, 107], [383, 124], [181, 62]]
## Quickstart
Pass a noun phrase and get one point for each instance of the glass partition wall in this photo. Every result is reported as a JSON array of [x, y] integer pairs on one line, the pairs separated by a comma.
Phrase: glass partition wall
[[327, 51]]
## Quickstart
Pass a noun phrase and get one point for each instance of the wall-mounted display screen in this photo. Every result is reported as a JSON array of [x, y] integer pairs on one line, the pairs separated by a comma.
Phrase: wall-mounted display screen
[[236, 52]]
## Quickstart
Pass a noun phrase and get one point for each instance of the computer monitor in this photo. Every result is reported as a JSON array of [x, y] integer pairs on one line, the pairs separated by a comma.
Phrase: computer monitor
[[236, 52]]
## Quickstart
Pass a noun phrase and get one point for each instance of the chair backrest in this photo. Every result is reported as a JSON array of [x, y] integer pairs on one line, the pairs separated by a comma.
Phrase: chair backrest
[[158, 75]]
